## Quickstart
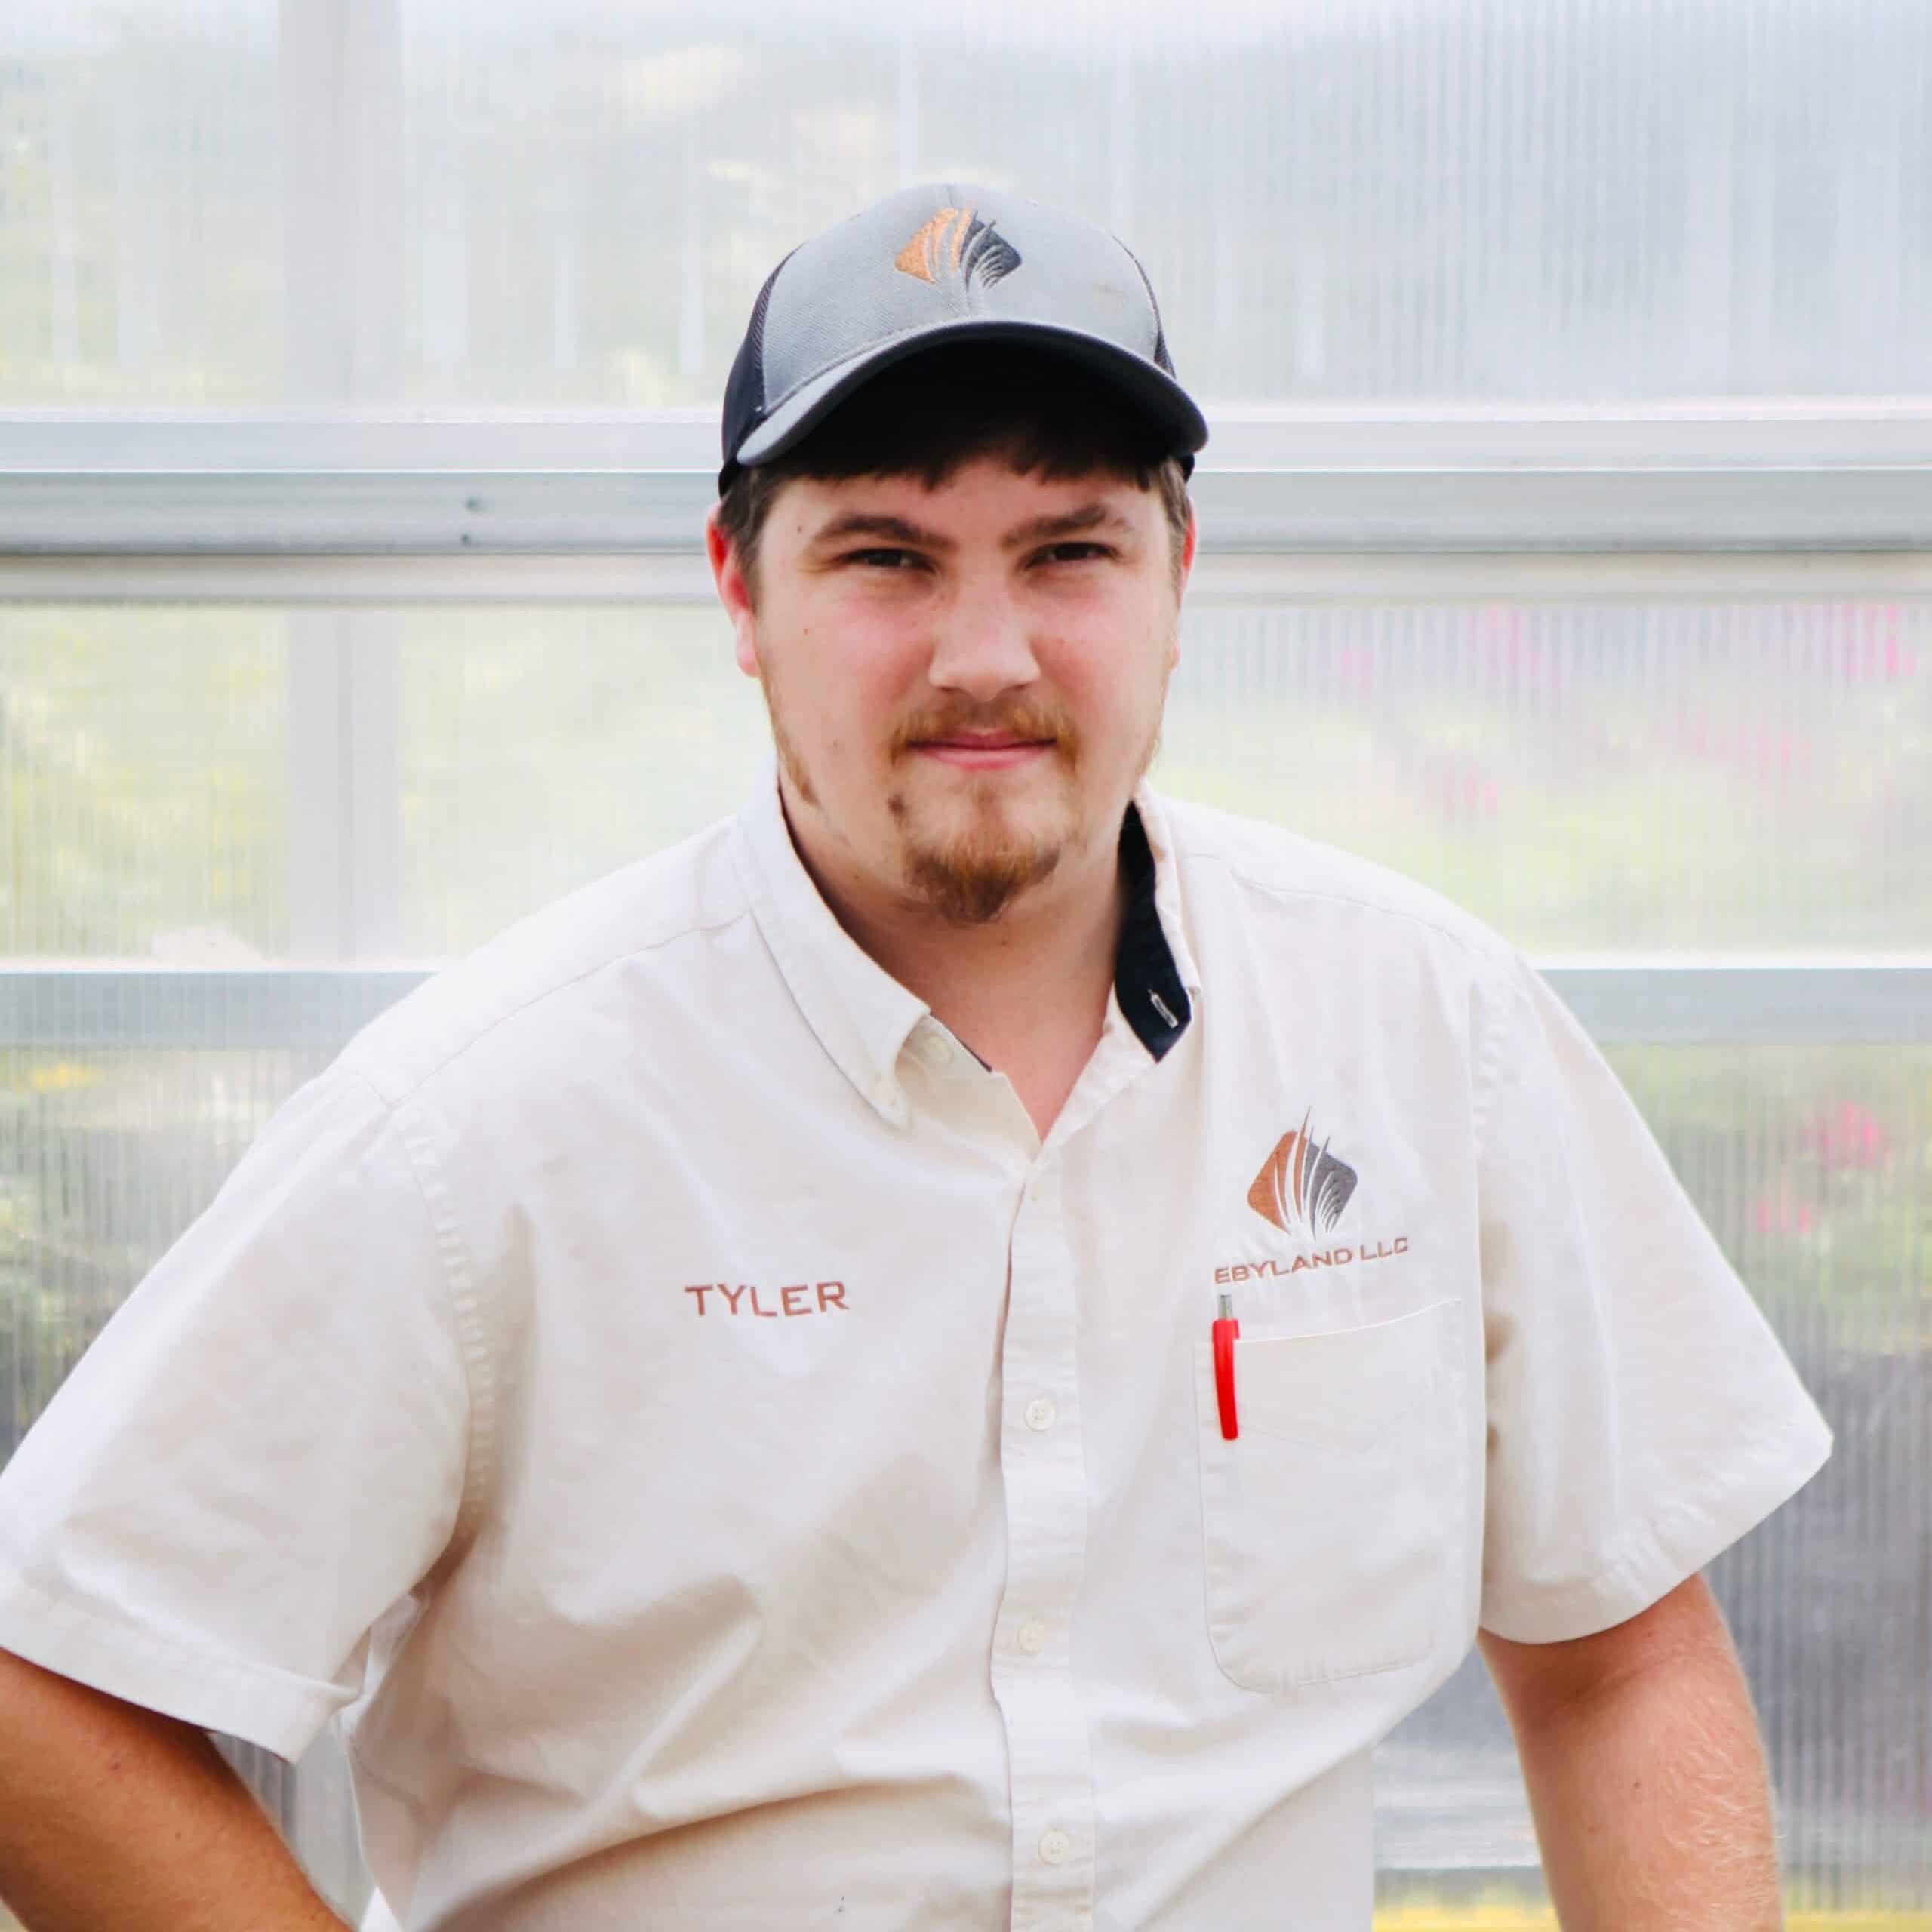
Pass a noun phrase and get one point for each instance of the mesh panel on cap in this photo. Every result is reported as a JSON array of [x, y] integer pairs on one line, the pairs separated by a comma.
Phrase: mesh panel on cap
[[744, 389]]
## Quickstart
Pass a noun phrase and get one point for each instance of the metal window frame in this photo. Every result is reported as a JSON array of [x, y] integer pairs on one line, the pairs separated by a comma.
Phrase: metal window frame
[[335, 509], [1842, 480], [1682, 1000], [352, 507]]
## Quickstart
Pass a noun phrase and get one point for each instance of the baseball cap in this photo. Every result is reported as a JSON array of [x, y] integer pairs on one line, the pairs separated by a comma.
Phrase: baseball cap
[[942, 263]]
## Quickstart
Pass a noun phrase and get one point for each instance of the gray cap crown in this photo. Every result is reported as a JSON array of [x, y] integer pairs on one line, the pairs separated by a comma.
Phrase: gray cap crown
[[939, 262]]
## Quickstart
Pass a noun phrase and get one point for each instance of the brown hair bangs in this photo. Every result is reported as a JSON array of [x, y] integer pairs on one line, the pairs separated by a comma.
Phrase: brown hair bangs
[[930, 414]]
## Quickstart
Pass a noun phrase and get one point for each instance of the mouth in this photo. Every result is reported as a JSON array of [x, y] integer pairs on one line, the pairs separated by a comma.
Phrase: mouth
[[983, 751]]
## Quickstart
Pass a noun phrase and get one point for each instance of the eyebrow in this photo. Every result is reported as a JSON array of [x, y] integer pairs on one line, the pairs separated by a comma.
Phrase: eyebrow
[[1040, 529]]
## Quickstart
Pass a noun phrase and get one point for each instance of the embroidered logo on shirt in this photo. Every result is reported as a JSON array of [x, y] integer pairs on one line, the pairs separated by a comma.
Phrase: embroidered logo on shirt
[[954, 239], [1301, 1188]]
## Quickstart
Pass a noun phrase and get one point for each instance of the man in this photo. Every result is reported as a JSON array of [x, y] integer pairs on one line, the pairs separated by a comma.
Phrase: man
[[732, 1392]]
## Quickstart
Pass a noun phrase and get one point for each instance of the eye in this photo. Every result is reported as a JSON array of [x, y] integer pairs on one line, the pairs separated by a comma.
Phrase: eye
[[1074, 553], [888, 560]]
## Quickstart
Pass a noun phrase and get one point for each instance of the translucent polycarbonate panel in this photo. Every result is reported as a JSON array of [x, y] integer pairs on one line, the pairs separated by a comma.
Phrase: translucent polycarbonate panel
[[560, 201], [1813, 1166], [212, 785], [143, 767], [540, 748], [105, 1157], [1715, 777], [140, 215], [1589, 776]]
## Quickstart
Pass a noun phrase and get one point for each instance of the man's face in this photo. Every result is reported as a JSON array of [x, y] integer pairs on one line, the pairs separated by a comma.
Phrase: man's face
[[965, 684]]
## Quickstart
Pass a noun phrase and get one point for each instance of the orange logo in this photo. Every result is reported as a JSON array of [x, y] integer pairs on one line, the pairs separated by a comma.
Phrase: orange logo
[[1301, 1188], [954, 241]]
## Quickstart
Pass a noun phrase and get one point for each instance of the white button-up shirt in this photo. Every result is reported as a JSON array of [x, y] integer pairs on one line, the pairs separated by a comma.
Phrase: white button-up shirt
[[657, 1390]]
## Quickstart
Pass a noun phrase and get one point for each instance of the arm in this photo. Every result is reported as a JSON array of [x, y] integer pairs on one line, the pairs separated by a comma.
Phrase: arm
[[1645, 1772], [112, 1815]]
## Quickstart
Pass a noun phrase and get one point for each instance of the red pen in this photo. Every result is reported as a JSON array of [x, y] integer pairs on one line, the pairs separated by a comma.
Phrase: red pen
[[1225, 1329]]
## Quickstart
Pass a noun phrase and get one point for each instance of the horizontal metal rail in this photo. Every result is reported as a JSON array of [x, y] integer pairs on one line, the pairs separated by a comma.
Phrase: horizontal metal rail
[[440, 512], [1692, 479], [1776, 1001], [1380, 578]]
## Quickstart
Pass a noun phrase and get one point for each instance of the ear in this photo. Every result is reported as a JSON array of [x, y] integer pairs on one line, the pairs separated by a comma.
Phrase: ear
[[1186, 570], [733, 593]]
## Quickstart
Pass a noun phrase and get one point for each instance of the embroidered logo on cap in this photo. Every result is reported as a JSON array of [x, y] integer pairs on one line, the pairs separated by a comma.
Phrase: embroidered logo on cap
[[1301, 1188], [954, 241]]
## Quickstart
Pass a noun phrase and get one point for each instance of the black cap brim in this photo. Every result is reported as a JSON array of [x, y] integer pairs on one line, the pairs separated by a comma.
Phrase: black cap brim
[[1143, 386]]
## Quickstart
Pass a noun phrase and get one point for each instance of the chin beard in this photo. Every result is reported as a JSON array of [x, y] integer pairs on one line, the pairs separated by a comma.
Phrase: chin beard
[[969, 883]]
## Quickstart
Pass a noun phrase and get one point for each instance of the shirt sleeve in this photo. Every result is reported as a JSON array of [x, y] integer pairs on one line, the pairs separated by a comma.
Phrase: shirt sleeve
[[1642, 1416], [263, 1449]]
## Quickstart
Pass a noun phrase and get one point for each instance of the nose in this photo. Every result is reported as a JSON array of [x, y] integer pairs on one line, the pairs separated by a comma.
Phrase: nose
[[981, 645]]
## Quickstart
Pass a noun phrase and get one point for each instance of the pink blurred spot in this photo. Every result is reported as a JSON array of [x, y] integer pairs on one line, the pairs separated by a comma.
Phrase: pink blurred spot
[[1779, 1213], [1851, 1137]]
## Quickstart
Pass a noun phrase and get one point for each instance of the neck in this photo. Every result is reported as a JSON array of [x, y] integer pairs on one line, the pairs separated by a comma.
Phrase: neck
[[1028, 986]]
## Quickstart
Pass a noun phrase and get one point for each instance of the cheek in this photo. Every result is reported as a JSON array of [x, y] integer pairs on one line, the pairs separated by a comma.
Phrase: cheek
[[876, 669], [1111, 685], [845, 684]]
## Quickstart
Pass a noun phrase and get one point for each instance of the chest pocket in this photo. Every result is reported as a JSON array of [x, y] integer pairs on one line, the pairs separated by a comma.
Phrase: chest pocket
[[1332, 1520]]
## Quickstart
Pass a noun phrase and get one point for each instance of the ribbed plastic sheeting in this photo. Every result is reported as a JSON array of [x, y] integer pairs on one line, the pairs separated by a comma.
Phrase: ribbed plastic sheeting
[[418, 200], [1813, 1166], [1690, 777]]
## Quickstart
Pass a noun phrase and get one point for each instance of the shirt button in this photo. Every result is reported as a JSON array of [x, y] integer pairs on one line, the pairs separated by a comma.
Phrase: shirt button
[[1054, 1845], [1040, 1413], [933, 1050], [1033, 1637]]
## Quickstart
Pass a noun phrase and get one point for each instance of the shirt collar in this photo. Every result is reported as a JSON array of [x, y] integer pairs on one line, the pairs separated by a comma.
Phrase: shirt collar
[[862, 1016]]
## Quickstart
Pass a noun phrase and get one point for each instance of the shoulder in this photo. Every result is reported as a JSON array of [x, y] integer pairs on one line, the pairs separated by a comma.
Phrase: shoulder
[[1265, 875], [656, 914]]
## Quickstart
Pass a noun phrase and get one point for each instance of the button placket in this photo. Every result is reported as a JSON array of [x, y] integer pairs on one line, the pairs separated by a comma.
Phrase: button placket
[[1043, 1468]]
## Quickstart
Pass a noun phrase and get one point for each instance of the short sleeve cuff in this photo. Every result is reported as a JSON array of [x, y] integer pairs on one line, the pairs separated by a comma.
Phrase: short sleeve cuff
[[1657, 1555], [280, 1712]]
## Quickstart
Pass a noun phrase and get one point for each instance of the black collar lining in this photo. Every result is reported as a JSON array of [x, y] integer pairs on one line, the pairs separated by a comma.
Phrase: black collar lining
[[1145, 980]]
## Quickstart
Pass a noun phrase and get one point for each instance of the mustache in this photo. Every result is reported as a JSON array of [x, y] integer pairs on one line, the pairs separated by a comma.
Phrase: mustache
[[1023, 719]]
